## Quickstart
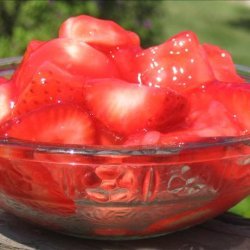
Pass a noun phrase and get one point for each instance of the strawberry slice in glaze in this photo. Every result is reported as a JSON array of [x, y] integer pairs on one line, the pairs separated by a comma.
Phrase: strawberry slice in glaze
[[31, 183], [207, 118], [235, 97], [74, 57], [49, 85], [3, 80], [222, 64], [97, 32], [7, 98], [61, 123], [178, 64], [126, 108]]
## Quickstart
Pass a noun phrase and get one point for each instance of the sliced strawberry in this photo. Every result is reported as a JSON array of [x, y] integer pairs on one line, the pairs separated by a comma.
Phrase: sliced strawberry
[[153, 138], [61, 123], [107, 137], [201, 122], [103, 33], [178, 64], [49, 85], [121, 56], [195, 213], [32, 47], [7, 98], [69, 55], [210, 118], [31, 183], [126, 108], [221, 63], [144, 139], [3, 80], [235, 98]]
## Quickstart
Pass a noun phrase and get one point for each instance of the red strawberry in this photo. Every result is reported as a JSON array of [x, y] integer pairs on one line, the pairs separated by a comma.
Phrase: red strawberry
[[32, 47], [121, 57], [126, 108], [49, 85], [235, 98], [208, 117], [61, 123], [103, 33], [222, 64], [167, 139], [31, 183], [7, 94], [194, 213], [74, 57], [3, 80], [178, 64]]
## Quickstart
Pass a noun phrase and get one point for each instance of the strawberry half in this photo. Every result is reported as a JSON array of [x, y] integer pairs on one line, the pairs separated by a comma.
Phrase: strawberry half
[[31, 183], [126, 108], [61, 123], [71, 56], [32, 47], [49, 85], [7, 93], [97, 32], [221, 63], [3, 80], [235, 98], [178, 64], [208, 117]]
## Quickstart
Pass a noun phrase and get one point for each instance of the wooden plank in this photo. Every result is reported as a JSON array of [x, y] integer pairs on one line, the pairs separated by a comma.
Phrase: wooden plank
[[227, 232]]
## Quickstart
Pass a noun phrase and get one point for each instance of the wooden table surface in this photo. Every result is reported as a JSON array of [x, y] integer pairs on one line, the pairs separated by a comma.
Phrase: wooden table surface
[[223, 233]]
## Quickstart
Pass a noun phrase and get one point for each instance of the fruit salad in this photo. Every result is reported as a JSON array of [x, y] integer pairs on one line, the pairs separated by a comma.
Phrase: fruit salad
[[95, 86]]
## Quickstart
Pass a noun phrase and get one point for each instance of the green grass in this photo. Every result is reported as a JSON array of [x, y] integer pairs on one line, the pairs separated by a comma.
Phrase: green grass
[[243, 208], [223, 23]]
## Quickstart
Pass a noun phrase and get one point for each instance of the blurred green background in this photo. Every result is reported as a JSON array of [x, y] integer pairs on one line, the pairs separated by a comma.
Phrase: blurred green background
[[224, 23]]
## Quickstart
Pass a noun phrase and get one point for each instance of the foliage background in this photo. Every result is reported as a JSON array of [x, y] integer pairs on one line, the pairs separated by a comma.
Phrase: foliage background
[[225, 23]]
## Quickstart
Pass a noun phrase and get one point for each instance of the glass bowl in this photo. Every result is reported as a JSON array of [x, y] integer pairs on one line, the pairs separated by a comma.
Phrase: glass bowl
[[122, 193]]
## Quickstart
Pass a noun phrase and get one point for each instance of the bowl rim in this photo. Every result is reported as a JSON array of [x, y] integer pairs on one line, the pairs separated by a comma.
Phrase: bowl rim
[[7, 66], [121, 150]]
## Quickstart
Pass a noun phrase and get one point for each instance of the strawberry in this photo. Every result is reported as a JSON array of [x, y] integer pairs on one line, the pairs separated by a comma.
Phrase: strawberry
[[208, 117], [178, 64], [3, 80], [121, 56], [126, 108], [31, 183], [152, 138], [49, 85], [102, 33], [7, 97], [201, 121], [32, 47], [71, 56], [235, 98], [221, 63], [61, 123]]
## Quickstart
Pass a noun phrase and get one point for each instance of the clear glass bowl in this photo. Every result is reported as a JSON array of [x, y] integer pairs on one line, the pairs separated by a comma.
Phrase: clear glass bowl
[[122, 193]]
